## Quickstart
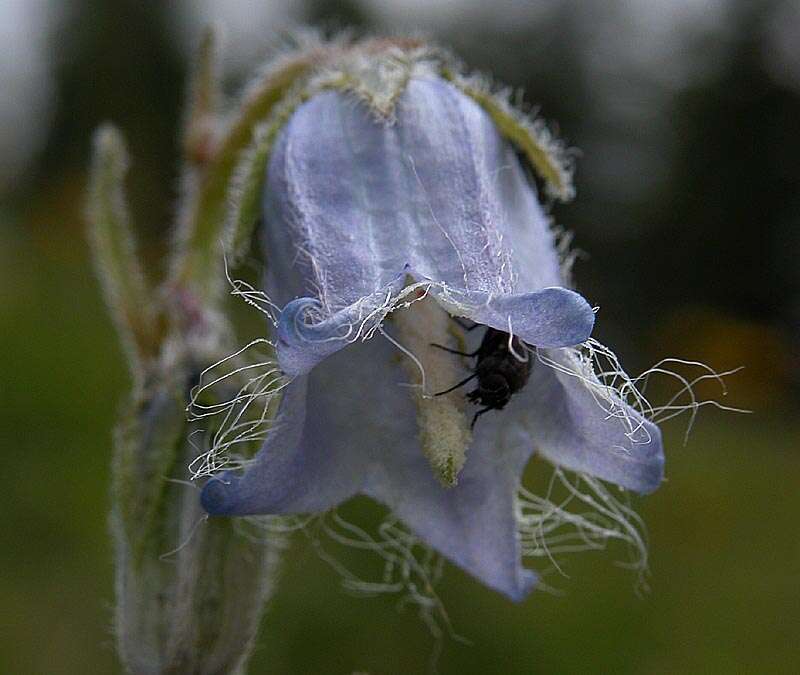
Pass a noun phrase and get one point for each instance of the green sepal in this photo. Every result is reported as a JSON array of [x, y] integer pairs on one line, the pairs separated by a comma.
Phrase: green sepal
[[127, 294], [543, 150], [197, 258]]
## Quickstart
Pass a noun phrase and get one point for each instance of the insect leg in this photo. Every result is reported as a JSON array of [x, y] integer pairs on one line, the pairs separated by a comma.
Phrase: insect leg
[[464, 324], [456, 386], [455, 351], [478, 414]]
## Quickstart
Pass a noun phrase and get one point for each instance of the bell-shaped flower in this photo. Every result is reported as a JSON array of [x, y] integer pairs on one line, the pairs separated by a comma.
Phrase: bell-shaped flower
[[378, 231]]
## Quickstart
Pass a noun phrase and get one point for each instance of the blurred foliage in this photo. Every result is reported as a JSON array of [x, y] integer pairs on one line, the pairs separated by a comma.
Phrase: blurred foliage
[[700, 262]]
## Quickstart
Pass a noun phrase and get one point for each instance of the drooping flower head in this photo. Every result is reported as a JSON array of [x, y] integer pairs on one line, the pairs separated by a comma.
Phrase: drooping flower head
[[393, 201]]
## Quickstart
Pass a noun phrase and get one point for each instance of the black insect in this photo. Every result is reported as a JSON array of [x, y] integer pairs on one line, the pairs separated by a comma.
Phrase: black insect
[[500, 371]]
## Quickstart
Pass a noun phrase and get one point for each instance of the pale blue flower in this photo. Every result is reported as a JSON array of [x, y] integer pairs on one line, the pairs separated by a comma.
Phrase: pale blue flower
[[359, 208]]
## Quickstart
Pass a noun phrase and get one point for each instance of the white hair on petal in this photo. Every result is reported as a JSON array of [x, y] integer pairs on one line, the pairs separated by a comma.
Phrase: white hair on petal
[[580, 513], [241, 390], [423, 385], [251, 295], [575, 514], [444, 232], [408, 568], [552, 160], [237, 394], [616, 393], [522, 358], [243, 405]]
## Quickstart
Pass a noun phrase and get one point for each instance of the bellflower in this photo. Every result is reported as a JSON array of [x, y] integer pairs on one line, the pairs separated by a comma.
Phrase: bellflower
[[378, 229]]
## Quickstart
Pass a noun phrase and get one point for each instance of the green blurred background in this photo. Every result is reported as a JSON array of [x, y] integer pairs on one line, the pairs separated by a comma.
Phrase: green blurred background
[[688, 118]]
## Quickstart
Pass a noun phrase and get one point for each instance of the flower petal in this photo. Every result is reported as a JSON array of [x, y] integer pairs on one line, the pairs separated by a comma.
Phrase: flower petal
[[354, 204], [352, 201], [473, 523], [552, 317], [349, 426], [289, 474], [579, 427], [333, 423], [303, 343]]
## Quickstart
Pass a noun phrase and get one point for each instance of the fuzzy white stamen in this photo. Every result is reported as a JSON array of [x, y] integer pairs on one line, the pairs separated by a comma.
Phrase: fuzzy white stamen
[[442, 420]]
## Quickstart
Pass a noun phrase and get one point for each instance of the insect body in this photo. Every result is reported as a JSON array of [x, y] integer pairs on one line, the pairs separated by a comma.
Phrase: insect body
[[499, 368]]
